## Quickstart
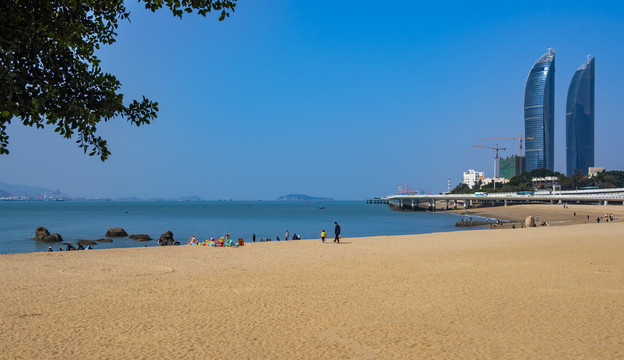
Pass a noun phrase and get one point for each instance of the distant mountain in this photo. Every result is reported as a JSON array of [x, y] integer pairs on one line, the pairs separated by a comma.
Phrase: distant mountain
[[4, 194], [302, 197], [18, 190]]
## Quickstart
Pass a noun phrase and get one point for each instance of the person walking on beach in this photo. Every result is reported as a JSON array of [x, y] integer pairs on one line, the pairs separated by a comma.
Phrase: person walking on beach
[[337, 232], [323, 236], [287, 235]]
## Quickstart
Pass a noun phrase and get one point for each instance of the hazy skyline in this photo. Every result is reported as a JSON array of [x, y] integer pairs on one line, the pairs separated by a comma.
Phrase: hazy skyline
[[344, 100]]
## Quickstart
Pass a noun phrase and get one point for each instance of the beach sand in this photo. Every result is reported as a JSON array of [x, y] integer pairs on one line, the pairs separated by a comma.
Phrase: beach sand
[[554, 215], [537, 293]]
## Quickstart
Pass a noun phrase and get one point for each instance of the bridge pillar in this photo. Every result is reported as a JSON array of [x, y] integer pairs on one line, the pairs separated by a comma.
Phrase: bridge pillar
[[413, 204], [505, 202], [552, 202], [447, 204], [606, 202]]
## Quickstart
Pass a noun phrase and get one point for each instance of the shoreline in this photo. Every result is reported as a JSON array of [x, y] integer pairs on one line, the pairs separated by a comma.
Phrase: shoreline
[[512, 215], [552, 214]]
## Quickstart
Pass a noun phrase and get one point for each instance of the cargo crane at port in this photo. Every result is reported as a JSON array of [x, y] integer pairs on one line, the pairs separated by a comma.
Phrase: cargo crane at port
[[516, 138], [406, 191]]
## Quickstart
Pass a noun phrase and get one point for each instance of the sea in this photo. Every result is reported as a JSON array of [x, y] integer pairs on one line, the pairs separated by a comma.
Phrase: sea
[[75, 220]]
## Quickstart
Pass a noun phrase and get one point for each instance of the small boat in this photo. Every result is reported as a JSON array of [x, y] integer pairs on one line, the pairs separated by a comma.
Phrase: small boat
[[321, 207]]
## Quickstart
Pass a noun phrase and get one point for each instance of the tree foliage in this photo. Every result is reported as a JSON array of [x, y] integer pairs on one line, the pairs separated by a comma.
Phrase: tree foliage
[[523, 182], [50, 75]]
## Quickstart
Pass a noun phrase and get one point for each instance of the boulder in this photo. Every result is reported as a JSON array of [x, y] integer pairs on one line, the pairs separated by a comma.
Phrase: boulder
[[529, 221], [166, 238], [52, 238], [41, 232], [116, 232], [86, 242], [140, 237], [470, 223]]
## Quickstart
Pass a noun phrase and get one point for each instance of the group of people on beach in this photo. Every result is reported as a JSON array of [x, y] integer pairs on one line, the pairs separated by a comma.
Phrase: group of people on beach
[[277, 238], [336, 232], [70, 247], [607, 218], [297, 237]]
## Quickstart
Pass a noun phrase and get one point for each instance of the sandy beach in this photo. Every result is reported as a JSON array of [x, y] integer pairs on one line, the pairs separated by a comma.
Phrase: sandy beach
[[539, 293]]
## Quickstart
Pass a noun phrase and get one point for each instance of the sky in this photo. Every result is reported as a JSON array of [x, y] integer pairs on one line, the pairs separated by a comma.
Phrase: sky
[[343, 99]]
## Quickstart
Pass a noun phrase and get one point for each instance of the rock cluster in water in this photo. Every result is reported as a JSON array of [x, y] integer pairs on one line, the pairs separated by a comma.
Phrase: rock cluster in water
[[42, 234]]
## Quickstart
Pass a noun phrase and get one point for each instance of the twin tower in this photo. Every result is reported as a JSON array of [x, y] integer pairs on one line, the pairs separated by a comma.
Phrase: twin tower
[[539, 117]]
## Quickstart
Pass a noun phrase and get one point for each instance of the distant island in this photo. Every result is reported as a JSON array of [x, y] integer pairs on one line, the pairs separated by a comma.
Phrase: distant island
[[302, 197]]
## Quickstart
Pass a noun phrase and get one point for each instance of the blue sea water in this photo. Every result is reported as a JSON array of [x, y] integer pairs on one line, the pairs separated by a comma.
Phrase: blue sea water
[[76, 220]]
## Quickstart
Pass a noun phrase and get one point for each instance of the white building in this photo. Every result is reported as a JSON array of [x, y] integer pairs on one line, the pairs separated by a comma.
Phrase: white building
[[471, 177], [488, 181], [593, 171]]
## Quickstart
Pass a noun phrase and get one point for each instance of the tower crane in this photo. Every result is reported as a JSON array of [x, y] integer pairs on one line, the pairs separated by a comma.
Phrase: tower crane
[[518, 138], [495, 159]]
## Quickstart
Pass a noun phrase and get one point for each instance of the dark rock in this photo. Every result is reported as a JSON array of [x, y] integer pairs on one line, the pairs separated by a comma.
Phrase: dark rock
[[166, 238], [471, 223], [41, 232], [116, 232], [52, 238], [86, 242], [104, 240], [140, 237]]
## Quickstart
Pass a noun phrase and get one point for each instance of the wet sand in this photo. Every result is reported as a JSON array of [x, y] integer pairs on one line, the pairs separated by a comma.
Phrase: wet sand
[[554, 215], [537, 293]]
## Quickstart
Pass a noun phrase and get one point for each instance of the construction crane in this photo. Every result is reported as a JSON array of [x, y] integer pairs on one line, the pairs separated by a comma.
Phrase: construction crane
[[518, 138], [495, 159]]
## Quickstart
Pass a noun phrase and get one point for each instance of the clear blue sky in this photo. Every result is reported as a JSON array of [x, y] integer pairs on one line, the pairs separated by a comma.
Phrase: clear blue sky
[[340, 99]]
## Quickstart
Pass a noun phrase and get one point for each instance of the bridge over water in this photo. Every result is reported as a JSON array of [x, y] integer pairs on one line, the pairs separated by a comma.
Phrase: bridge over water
[[448, 201]]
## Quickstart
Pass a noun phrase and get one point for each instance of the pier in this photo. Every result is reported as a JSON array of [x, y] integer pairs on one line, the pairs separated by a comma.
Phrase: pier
[[377, 201]]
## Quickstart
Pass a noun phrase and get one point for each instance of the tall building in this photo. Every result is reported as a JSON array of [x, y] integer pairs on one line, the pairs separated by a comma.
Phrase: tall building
[[539, 114], [580, 120], [511, 166]]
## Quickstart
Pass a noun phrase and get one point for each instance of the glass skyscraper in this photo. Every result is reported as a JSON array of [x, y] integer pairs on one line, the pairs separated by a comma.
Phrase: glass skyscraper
[[539, 114], [580, 120]]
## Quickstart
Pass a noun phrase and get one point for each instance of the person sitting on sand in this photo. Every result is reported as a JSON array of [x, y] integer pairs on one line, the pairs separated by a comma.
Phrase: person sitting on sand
[[80, 247], [50, 249], [69, 247]]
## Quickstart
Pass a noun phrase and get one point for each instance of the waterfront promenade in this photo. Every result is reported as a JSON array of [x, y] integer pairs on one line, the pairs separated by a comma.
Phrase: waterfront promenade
[[454, 201]]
